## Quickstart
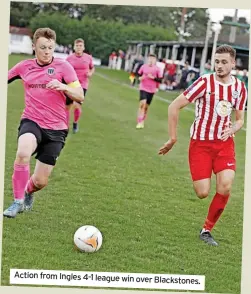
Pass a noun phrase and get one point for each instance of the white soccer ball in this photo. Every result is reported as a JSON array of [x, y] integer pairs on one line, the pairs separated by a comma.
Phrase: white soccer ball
[[88, 239]]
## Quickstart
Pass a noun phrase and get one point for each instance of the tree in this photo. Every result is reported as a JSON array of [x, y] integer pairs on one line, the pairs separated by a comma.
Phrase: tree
[[101, 37], [195, 22], [165, 17], [21, 13]]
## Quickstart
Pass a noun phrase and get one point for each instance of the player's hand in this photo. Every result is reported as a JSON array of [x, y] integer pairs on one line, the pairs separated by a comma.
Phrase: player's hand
[[89, 74], [150, 76], [56, 85], [167, 147], [227, 132]]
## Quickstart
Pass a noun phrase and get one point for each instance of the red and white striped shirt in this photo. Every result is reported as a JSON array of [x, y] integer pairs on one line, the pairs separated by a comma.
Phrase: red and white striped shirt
[[214, 103]]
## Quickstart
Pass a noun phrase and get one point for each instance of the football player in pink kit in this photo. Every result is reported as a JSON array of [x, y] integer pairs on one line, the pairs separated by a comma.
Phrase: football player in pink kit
[[43, 127], [83, 65], [212, 147], [150, 76]]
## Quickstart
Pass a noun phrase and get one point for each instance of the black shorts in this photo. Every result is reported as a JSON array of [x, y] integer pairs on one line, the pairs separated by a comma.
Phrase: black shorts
[[69, 101], [143, 95], [49, 142]]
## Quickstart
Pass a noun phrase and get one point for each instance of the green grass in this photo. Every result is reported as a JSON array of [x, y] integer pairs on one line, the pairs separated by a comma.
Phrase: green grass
[[110, 175]]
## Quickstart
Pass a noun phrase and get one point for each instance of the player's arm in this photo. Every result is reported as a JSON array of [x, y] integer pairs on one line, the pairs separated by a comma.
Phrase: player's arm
[[173, 116], [74, 91], [70, 84], [91, 68], [159, 77], [239, 120], [195, 91], [230, 130], [91, 71]]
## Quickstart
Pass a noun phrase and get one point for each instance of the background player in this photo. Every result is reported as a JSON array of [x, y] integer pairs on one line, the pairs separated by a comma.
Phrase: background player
[[212, 145], [83, 65], [150, 76], [43, 127]]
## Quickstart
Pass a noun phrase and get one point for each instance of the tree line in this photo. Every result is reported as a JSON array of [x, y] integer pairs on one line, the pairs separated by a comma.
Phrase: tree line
[[108, 27]]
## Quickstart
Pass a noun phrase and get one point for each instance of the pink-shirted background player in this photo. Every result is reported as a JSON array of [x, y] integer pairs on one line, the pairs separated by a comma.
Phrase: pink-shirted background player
[[43, 128], [212, 147], [84, 67], [150, 76]]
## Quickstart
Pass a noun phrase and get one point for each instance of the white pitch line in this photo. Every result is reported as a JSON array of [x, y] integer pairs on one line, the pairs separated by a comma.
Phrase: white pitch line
[[155, 96]]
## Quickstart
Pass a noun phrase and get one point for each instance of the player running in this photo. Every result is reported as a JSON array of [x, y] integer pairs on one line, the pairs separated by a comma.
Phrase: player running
[[43, 128], [150, 76], [83, 65], [212, 147]]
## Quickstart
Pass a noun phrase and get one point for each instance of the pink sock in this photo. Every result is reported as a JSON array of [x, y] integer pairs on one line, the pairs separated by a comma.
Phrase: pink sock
[[20, 178], [77, 114], [31, 188], [68, 116], [140, 118]]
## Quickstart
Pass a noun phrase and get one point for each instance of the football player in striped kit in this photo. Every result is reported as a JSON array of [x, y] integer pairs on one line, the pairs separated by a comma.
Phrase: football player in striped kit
[[212, 147]]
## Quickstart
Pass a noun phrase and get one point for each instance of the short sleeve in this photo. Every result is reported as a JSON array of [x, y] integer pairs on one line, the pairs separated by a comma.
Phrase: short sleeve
[[91, 65], [140, 72], [69, 74], [15, 72], [242, 99], [196, 90]]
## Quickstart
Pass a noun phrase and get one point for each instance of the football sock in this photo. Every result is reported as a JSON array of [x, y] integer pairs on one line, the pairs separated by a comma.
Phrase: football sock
[[77, 114], [31, 188], [216, 208], [20, 178]]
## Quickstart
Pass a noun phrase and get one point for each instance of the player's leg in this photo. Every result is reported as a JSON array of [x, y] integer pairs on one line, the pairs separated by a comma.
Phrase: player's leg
[[37, 182], [202, 187], [69, 106], [201, 166], [147, 104], [29, 137], [224, 168], [141, 109], [46, 161], [77, 114]]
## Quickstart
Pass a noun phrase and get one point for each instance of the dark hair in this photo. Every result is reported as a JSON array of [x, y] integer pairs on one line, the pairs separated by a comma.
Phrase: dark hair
[[44, 33], [226, 49], [152, 55]]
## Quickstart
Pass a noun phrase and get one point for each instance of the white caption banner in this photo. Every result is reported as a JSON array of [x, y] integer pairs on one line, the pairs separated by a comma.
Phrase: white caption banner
[[107, 279]]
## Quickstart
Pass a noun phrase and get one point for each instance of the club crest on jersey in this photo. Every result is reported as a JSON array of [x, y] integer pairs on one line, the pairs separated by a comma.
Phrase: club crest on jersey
[[224, 108], [235, 94], [50, 71]]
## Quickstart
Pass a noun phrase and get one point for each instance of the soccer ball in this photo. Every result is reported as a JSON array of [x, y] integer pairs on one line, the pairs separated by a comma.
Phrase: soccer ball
[[88, 239]]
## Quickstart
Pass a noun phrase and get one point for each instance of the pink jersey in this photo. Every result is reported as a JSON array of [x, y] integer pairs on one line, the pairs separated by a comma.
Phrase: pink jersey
[[147, 84], [44, 106], [82, 64], [214, 104]]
